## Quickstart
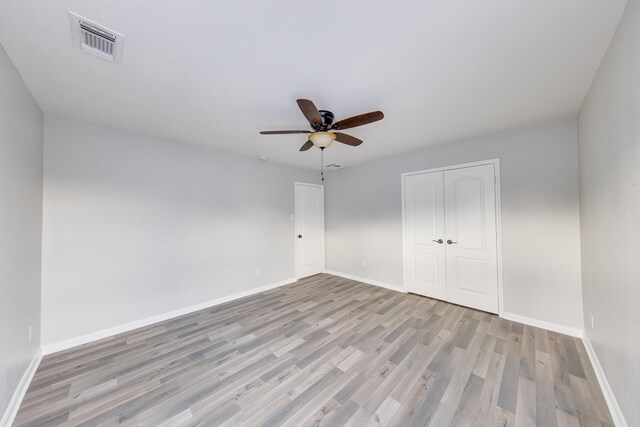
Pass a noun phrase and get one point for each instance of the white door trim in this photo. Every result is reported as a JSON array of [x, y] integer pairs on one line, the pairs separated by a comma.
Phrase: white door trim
[[295, 228], [496, 165]]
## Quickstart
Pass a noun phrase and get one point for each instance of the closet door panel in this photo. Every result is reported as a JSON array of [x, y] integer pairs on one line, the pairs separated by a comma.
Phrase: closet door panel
[[471, 242], [423, 227]]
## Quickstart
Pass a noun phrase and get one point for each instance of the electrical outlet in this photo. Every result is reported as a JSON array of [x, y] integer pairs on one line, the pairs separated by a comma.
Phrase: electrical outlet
[[256, 272], [30, 333], [593, 321], [364, 264], [291, 217]]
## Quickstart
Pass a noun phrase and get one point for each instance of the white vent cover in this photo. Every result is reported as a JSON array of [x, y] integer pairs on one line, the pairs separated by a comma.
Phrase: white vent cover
[[96, 39]]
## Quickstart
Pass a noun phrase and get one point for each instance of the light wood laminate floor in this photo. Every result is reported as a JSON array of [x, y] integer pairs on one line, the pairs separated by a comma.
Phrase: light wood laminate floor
[[323, 351]]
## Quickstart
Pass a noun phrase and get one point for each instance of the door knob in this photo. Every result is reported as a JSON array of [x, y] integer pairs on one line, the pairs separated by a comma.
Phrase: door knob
[[451, 242], [438, 241], [299, 236]]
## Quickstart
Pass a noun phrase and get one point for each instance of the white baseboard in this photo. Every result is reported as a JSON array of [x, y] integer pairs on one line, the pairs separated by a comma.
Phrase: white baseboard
[[21, 390], [367, 281], [561, 329], [612, 403], [109, 332]]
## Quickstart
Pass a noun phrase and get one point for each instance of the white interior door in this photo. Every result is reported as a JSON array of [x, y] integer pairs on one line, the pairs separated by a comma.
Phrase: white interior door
[[470, 234], [309, 227], [424, 234]]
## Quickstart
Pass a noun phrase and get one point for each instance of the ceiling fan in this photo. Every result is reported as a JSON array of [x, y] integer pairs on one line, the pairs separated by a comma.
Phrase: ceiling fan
[[321, 122], [322, 133]]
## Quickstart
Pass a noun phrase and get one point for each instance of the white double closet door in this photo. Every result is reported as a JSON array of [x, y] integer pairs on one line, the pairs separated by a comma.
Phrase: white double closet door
[[450, 235]]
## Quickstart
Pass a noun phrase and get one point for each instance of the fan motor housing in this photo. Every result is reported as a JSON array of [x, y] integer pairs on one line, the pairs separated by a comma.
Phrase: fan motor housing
[[327, 119]]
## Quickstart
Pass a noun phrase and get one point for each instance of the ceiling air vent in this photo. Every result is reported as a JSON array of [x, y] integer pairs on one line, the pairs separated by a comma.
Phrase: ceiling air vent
[[96, 39]]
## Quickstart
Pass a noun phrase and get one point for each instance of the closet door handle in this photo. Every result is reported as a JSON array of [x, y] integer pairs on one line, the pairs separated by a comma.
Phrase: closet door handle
[[451, 242], [438, 241]]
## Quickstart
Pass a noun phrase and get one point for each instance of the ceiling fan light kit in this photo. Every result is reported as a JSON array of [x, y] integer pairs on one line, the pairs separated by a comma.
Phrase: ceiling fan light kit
[[322, 139], [322, 135]]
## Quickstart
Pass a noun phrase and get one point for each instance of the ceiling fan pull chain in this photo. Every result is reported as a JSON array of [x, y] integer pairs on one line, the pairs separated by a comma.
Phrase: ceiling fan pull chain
[[322, 163]]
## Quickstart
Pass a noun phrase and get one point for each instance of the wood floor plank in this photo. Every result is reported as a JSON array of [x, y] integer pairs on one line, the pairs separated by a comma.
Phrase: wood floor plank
[[324, 351], [490, 390], [509, 385]]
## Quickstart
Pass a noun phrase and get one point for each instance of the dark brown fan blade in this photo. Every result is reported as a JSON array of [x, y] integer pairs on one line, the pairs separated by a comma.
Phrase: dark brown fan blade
[[282, 132], [347, 139], [362, 119], [306, 146], [310, 112]]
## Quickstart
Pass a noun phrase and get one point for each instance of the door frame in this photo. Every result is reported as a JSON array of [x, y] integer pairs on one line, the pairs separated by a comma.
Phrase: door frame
[[295, 228], [496, 168]]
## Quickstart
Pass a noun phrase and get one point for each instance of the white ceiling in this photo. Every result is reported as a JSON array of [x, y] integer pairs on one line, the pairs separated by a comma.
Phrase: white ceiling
[[217, 71]]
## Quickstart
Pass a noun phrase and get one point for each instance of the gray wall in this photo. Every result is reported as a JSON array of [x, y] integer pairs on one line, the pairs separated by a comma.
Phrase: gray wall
[[540, 218], [21, 138], [136, 227], [609, 152]]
